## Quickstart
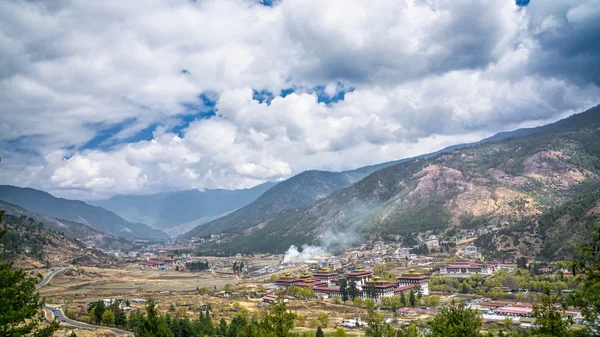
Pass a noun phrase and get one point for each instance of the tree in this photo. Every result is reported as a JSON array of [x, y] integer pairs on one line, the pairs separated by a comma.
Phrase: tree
[[464, 290], [222, 328], [352, 290], [402, 299], [548, 314], [279, 321], [319, 332], [93, 315], [324, 319], [340, 333], [19, 302], [344, 290], [152, 325], [456, 321], [587, 263], [411, 298], [108, 318], [120, 318], [412, 331], [522, 263], [172, 308]]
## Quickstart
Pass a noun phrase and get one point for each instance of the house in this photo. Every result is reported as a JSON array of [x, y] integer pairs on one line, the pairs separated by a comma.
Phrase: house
[[470, 250], [138, 300], [359, 276], [162, 253]]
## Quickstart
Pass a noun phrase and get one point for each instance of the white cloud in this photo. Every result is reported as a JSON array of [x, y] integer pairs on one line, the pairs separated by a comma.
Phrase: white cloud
[[426, 74]]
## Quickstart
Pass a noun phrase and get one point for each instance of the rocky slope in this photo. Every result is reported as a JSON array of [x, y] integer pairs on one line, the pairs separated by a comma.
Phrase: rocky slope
[[73, 210], [492, 183], [552, 235], [29, 244]]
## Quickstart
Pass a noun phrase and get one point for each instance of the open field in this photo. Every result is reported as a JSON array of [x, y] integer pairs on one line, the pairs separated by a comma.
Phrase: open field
[[131, 281]]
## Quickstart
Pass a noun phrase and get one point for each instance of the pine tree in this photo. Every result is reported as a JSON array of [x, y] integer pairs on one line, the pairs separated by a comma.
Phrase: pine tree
[[153, 325], [344, 290], [464, 290], [19, 302], [402, 299], [353, 290], [319, 332], [411, 298], [456, 321]]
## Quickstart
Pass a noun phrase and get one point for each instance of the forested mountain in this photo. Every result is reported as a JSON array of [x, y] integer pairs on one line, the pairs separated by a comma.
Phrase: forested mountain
[[74, 230], [552, 235], [492, 183], [30, 244], [168, 210], [77, 211]]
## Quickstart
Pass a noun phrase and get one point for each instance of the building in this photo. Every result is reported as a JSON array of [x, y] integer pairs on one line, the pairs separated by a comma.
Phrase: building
[[359, 276], [162, 253], [467, 268], [414, 279], [470, 250], [377, 288], [287, 281], [325, 275]]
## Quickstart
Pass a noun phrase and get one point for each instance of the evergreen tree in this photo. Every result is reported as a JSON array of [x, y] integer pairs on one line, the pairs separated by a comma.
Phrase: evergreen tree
[[19, 302], [319, 332], [464, 290], [152, 325], [120, 318], [344, 290], [222, 329], [402, 299], [587, 263], [352, 290], [548, 315], [411, 298]]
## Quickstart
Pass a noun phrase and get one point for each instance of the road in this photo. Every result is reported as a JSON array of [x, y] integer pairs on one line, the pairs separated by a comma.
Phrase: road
[[49, 277], [60, 316]]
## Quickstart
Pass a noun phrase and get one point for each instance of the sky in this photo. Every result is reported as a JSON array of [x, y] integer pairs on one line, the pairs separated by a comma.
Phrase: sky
[[109, 97]]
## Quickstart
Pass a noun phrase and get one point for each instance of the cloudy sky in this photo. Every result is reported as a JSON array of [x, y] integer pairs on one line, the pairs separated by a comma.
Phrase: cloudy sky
[[112, 97]]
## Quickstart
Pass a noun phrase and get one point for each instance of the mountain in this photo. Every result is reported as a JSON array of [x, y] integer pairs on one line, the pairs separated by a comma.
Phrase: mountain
[[552, 235], [309, 186], [31, 245], [172, 209], [71, 229], [77, 211], [495, 182], [298, 191]]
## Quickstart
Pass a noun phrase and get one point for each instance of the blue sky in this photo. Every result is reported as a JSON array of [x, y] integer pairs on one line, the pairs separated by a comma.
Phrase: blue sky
[[230, 94]]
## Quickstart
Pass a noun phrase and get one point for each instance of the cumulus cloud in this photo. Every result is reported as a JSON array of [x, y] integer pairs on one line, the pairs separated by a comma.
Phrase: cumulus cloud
[[415, 76]]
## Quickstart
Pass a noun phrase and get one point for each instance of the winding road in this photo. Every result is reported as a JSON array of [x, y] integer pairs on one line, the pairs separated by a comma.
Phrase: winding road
[[60, 315], [49, 277]]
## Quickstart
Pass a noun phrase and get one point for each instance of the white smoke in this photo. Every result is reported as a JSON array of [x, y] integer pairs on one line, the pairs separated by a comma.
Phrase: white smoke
[[331, 242]]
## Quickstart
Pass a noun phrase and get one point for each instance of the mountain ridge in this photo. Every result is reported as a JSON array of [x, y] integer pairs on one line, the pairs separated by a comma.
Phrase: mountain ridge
[[497, 181], [44, 203]]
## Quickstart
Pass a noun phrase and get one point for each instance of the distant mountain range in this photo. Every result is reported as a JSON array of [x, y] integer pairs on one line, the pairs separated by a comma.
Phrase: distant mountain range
[[168, 210], [503, 179], [78, 211]]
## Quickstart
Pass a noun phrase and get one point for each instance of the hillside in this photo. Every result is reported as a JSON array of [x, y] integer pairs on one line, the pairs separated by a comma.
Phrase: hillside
[[74, 230], [492, 183], [169, 210], [77, 211], [552, 235], [30, 245], [309, 186]]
